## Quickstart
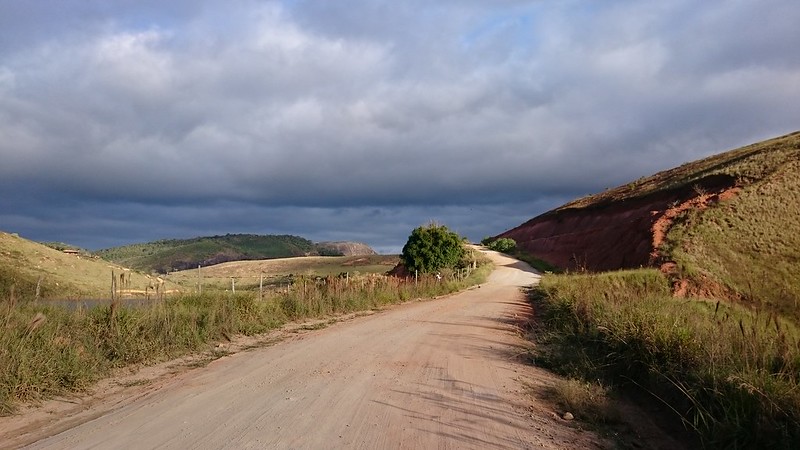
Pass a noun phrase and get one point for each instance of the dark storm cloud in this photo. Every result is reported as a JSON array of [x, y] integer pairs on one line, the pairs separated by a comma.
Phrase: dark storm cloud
[[334, 120]]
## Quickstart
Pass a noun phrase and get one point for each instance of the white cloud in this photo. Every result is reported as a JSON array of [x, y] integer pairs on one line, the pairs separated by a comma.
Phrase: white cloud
[[131, 64]]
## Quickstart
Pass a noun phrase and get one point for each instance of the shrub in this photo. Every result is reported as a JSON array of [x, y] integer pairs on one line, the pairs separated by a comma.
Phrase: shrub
[[502, 245], [431, 248]]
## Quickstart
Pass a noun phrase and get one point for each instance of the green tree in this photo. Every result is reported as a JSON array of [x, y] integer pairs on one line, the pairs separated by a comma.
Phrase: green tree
[[431, 248], [502, 245]]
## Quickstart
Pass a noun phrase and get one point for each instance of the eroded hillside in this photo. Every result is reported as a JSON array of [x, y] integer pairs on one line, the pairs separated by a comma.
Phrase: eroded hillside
[[701, 222]]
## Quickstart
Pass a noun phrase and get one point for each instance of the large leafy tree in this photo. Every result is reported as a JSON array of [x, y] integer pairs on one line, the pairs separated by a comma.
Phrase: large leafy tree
[[431, 248]]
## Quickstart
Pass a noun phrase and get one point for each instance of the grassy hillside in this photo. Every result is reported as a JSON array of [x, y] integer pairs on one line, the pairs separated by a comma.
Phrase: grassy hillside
[[179, 254], [25, 264], [725, 360], [744, 165], [730, 223], [746, 248]]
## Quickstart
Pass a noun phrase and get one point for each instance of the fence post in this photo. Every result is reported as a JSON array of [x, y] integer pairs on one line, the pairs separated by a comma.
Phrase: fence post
[[113, 285], [261, 288]]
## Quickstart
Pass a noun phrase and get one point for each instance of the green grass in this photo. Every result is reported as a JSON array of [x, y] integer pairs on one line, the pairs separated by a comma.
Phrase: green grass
[[48, 351], [730, 374]]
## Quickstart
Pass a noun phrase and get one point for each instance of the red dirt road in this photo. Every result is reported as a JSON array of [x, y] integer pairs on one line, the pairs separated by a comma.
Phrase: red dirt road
[[438, 374]]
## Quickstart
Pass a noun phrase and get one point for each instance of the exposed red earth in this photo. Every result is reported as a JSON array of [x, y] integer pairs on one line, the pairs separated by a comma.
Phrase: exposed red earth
[[620, 235]]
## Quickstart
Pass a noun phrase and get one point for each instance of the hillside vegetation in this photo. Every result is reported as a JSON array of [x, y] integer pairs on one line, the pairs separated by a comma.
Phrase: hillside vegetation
[[745, 247], [743, 166], [25, 264], [724, 226], [731, 375], [711, 331], [179, 254]]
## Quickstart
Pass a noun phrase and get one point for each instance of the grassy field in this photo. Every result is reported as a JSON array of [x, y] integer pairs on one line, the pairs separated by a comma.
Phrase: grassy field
[[24, 264], [279, 272], [47, 351]]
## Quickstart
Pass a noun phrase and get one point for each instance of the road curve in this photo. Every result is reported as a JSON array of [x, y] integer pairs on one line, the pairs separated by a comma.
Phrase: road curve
[[436, 374]]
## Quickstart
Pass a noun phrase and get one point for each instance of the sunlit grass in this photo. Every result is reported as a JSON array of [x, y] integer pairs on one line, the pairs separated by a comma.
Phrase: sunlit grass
[[729, 373], [748, 245]]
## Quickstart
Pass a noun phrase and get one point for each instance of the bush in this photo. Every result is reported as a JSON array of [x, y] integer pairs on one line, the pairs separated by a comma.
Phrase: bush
[[431, 248], [502, 245]]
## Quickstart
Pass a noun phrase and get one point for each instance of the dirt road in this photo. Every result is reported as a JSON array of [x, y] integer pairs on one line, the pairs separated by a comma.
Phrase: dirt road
[[437, 374]]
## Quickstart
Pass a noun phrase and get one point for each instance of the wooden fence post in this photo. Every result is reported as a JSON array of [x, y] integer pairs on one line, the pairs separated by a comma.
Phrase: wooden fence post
[[113, 285]]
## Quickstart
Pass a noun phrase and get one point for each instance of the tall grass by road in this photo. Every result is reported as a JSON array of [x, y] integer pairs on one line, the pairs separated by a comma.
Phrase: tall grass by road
[[731, 374], [47, 351]]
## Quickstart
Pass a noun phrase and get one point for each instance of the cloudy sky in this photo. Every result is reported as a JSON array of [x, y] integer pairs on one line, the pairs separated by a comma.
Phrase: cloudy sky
[[133, 120]]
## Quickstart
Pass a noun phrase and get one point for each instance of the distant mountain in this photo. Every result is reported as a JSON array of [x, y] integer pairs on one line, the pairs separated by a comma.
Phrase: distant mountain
[[724, 226], [180, 254]]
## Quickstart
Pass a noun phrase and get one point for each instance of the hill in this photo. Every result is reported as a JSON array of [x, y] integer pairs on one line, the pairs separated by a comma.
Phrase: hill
[[345, 248], [724, 226], [278, 272], [25, 264], [180, 254]]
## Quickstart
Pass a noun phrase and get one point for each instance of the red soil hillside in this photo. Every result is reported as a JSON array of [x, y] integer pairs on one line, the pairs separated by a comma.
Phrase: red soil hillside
[[626, 227]]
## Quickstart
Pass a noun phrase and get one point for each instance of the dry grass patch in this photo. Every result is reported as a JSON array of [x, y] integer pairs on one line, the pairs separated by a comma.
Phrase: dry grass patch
[[587, 401]]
